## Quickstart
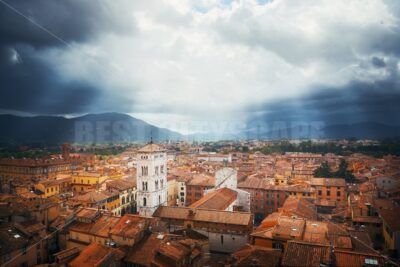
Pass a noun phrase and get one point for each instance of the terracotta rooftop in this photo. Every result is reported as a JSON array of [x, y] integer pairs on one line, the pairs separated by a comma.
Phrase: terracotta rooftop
[[96, 255], [264, 184], [306, 254], [288, 228], [87, 174], [316, 232], [204, 215], [202, 180], [300, 207], [146, 252], [361, 241], [129, 226], [66, 254], [149, 148], [351, 258], [93, 196], [328, 182], [101, 227], [219, 199], [250, 255], [87, 213], [121, 184]]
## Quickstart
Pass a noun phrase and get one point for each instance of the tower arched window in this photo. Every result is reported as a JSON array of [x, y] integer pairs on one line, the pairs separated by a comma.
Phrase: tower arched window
[[159, 199], [162, 183], [156, 184], [144, 202]]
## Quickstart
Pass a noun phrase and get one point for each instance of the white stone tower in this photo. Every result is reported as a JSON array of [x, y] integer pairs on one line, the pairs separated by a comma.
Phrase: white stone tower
[[151, 178]]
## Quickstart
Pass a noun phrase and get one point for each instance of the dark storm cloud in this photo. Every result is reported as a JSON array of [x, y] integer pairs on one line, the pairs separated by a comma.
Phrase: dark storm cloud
[[40, 23], [378, 62], [30, 84], [356, 102]]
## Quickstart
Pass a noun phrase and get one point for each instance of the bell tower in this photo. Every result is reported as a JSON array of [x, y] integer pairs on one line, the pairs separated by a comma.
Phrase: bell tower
[[151, 177]]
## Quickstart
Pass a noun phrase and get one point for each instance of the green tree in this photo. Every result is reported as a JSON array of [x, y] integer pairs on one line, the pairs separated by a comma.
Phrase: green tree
[[343, 172], [323, 171]]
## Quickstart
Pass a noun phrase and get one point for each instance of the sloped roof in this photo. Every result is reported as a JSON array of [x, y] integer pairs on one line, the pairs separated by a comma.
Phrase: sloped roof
[[305, 254], [129, 226], [101, 227], [249, 255], [149, 148], [204, 215], [218, 200], [95, 254], [300, 207], [351, 258], [328, 182]]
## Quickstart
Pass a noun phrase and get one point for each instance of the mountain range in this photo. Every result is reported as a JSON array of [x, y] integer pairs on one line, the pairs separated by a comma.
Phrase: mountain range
[[117, 128], [91, 128]]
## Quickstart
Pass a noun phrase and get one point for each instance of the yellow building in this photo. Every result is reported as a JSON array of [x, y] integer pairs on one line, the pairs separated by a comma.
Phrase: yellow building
[[300, 191], [48, 188], [172, 185], [107, 200], [280, 179], [82, 181]]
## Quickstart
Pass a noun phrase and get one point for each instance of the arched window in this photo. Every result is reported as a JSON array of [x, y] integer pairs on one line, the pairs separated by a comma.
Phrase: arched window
[[144, 202], [156, 184], [123, 200], [162, 183], [159, 199]]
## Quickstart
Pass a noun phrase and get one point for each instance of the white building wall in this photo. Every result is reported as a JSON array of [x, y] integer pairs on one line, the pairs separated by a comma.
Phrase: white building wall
[[243, 199], [227, 244], [230, 242], [150, 196], [226, 177]]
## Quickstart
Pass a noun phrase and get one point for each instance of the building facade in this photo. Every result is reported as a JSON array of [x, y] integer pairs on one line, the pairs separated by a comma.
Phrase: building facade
[[151, 179]]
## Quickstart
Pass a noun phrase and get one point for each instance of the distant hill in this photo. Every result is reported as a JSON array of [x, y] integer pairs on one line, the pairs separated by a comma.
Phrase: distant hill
[[92, 128], [364, 130], [118, 128]]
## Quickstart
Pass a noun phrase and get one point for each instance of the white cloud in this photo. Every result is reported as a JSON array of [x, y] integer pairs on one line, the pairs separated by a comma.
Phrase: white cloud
[[214, 59]]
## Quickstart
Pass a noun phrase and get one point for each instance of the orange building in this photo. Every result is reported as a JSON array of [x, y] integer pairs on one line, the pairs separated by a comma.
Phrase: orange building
[[329, 189], [196, 186]]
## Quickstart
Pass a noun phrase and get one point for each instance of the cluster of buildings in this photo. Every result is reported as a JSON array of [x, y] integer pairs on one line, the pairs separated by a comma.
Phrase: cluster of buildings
[[175, 205]]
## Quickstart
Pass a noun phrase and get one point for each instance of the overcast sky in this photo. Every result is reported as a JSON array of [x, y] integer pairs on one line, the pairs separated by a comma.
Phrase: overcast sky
[[177, 62]]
